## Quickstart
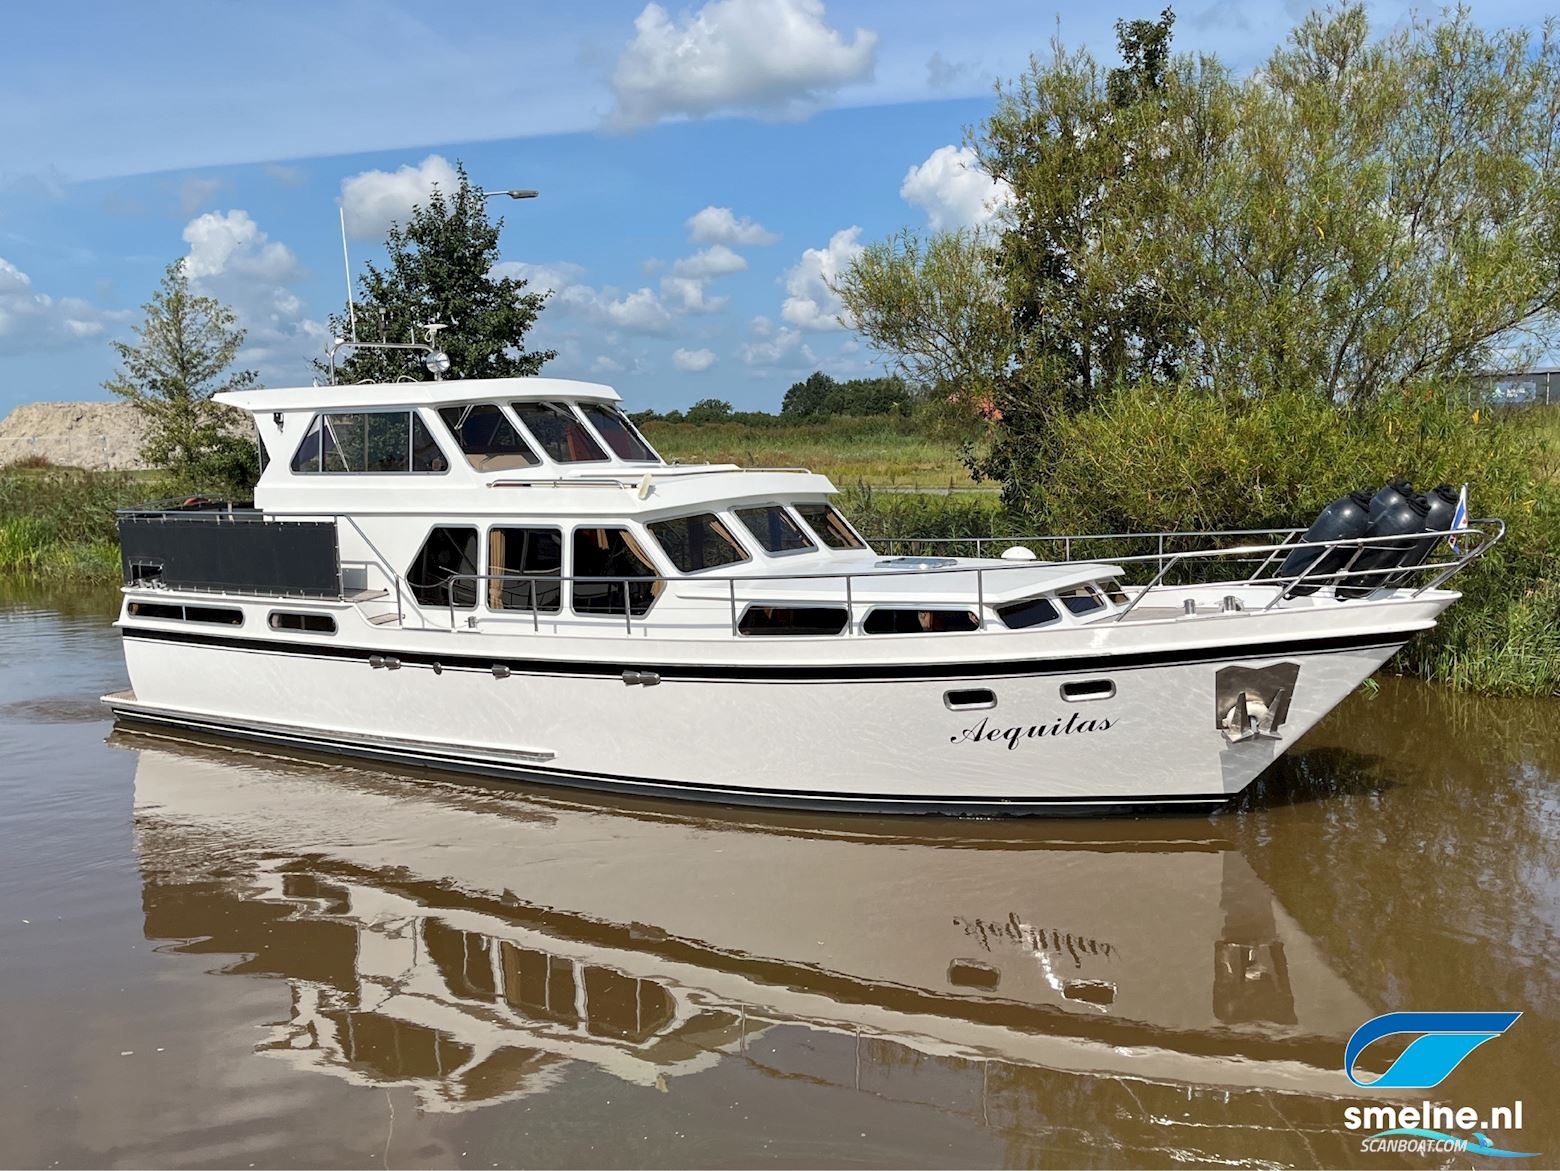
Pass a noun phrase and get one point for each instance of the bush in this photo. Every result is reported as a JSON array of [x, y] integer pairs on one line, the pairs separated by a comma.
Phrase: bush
[[1182, 458]]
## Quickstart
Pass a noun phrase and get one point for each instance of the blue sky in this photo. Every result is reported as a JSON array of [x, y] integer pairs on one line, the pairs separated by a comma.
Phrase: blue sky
[[703, 169]]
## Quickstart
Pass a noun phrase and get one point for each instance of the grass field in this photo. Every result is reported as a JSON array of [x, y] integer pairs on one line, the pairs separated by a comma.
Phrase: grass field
[[880, 452], [1546, 421]]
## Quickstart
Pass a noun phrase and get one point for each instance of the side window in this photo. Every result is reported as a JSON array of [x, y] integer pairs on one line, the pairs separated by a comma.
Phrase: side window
[[697, 542], [560, 432], [884, 620], [528, 553], [373, 442], [611, 553], [773, 528], [829, 526], [488, 439], [622, 436], [771, 621], [1081, 599], [1029, 612], [426, 456], [448, 552]]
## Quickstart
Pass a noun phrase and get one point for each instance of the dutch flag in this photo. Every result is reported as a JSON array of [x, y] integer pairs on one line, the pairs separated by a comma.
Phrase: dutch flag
[[1459, 517]]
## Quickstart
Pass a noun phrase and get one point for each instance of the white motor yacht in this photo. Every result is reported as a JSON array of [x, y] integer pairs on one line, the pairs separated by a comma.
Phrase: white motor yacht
[[503, 577]]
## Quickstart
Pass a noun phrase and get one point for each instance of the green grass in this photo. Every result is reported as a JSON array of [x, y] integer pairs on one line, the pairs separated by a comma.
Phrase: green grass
[[882, 451], [58, 523], [1545, 423]]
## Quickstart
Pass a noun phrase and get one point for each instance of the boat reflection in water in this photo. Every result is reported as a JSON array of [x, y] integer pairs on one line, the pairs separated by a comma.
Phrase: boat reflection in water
[[471, 943]]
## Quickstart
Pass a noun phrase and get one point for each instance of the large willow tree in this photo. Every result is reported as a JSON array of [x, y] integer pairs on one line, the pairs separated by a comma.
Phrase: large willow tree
[[1356, 215]]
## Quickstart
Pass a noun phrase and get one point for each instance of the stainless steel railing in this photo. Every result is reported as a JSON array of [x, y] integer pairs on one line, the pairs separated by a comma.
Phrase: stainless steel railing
[[1478, 538]]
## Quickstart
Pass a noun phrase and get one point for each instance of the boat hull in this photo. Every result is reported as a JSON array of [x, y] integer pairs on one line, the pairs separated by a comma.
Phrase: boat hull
[[889, 742]]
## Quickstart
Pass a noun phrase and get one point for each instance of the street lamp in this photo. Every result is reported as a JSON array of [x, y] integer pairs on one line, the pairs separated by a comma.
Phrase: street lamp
[[513, 193]]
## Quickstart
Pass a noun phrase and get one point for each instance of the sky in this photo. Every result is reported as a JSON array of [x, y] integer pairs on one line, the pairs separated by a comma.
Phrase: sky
[[704, 170]]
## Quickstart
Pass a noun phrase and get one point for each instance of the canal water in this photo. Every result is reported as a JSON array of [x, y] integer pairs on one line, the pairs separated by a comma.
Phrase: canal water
[[212, 957]]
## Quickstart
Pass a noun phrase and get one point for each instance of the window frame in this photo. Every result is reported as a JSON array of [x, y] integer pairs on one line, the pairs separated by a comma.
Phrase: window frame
[[824, 544], [270, 622], [638, 542], [891, 609], [1086, 590], [533, 449], [514, 406], [744, 554], [580, 406], [564, 541], [1058, 617], [320, 415], [841, 609], [813, 541], [406, 574]]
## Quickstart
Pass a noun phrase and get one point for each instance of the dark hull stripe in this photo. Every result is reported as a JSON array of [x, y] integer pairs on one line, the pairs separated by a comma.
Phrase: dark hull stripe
[[956, 806], [781, 673]]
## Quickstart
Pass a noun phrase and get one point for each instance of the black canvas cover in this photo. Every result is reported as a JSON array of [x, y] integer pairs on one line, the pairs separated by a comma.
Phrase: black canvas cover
[[234, 551]]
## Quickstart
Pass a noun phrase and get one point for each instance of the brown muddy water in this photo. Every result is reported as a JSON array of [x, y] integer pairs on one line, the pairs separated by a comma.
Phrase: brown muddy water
[[217, 958]]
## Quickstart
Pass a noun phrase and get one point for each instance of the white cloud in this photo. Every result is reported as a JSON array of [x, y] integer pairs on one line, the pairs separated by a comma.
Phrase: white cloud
[[953, 190], [231, 242], [772, 349], [688, 295], [719, 225], [812, 304], [772, 57], [373, 200], [693, 361], [716, 260], [30, 320], [233, 260], [605, 365], [640, 311]]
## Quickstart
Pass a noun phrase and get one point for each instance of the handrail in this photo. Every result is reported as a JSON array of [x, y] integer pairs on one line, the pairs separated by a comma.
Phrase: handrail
[[1479, 542]]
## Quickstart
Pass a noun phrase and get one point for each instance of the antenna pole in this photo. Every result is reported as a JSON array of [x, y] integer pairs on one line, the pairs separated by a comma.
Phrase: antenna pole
[[346, 264]]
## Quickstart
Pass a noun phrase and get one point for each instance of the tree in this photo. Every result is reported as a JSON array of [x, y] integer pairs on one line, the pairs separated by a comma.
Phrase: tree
[[819, 396], [709, 410], [1356, 216], [934, 306], [440, 268], [183, 356]]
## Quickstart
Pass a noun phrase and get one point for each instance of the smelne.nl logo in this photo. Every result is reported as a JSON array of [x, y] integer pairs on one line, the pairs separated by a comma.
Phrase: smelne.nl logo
[[1446, 1038], [1443, 1041]]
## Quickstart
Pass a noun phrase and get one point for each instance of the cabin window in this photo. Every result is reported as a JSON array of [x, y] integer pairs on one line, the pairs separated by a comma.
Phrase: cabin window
[[830, 527], [558, 429], [368, 442], [1081, 599], [697, 542], [490, 442], [449, 552], [885, 620], [612, 553], [1029, 612], [531, 554], [303, 622], [622, 436], [169, 612], [793, 620], [1114, 592], [773, 528]]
